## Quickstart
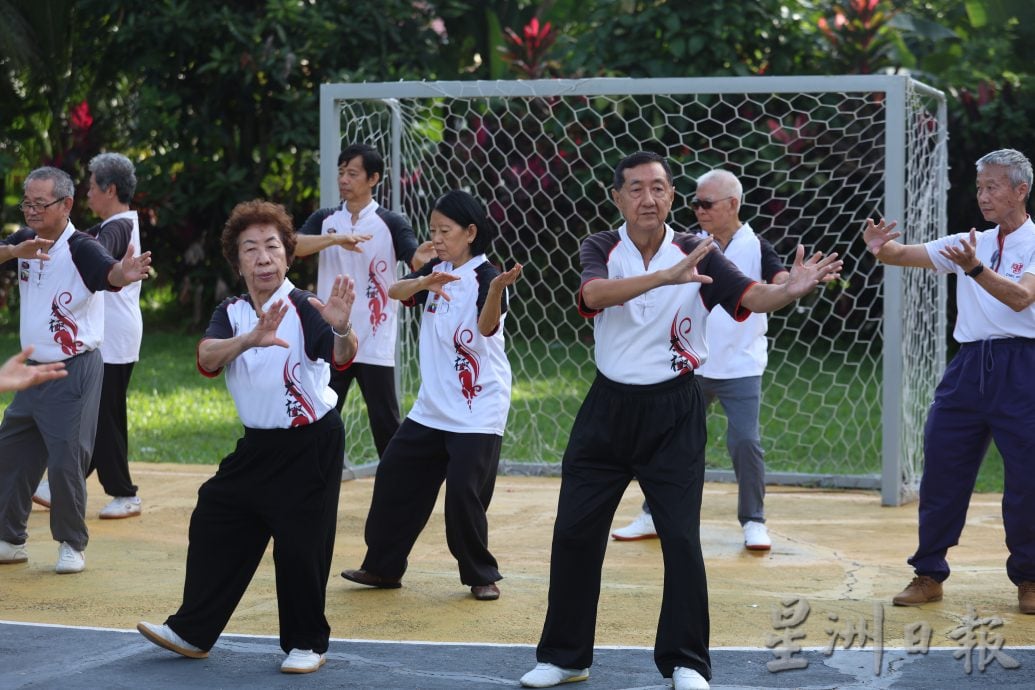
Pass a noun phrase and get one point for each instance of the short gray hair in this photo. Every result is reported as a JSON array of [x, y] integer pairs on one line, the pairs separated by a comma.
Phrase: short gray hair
[[114, 169], [728, 180], [1017, 165], [63, 185]]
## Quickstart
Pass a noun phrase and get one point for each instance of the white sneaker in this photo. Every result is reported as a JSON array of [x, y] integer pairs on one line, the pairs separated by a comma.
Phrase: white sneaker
[[42, 495], [69, 560], [547, 675], [302, 661], [688, 679], [756, 536], [12, 553], [164, 637], [640, 528], [121, 507]]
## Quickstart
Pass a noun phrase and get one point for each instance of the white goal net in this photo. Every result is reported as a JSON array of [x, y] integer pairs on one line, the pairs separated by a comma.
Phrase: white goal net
[[851, 368]]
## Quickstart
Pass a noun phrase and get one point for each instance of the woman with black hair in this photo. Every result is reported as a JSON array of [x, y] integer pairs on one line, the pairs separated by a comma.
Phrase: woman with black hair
[[454, 432]]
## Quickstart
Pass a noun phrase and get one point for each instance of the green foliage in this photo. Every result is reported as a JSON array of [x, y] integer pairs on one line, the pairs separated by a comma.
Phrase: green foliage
[[178, 415], [658, 38], [217, 103]]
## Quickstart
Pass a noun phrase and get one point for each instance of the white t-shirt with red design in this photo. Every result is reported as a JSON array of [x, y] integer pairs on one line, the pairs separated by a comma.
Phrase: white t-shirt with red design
[[465, 376], [277, 387], [62, 314], [980, 316], [660, 334], [374, 316]]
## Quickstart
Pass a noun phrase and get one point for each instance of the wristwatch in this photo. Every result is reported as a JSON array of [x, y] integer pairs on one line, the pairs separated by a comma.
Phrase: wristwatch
[[976, 271]]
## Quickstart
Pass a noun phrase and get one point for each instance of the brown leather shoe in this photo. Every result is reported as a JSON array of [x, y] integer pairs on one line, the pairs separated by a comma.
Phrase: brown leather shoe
[[370, 580], [922, 590], [1026, 597], [489, 592]]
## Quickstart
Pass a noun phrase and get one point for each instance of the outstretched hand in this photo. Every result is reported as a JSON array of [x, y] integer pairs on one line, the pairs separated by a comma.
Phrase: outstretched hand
[[436, 281], [16, 375], [964, 255], [337, 311], [424, 253], [507, 278], [265, 332], [131, 268], [350, 242], [35, 248], [876, 235], [685, 270], [805, 275]]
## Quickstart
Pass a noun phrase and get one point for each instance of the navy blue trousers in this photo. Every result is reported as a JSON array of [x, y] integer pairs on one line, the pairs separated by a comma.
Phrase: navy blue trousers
[[987, 394]]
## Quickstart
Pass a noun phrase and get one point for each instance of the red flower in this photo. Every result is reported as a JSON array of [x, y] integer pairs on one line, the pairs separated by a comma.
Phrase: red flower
[[80, 118]]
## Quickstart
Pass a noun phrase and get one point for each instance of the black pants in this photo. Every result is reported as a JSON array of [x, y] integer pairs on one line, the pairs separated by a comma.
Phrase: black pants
[[111, 447], [657, 434], [406, 487], [279, 483], [377, 384]]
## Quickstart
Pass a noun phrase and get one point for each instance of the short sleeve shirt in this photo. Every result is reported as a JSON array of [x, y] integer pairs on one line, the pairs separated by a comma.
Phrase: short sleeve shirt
[[660, 334], [61, 313], [465, 376], [374, 316], [276, 387], [980, 316], [123, 323], [737, 349]]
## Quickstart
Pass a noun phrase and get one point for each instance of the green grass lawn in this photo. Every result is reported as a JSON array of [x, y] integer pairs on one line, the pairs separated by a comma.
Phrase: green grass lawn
[[177, 415]]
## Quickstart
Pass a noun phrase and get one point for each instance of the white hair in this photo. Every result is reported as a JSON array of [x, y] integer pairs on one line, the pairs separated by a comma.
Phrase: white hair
[[1017, 165], [63, 185], [727, 181]]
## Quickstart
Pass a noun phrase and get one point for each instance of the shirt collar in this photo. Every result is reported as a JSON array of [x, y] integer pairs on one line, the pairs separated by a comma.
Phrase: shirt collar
[[282, 293]]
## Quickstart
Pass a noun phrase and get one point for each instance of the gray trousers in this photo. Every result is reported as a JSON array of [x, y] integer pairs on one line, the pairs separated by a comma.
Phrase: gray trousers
[[51, 427], [741, 400]]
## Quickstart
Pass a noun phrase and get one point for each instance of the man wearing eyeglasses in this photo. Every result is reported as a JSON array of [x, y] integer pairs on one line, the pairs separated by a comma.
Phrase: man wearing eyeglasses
[[648, 290], [52, 426], [737, 356], [986, 393]]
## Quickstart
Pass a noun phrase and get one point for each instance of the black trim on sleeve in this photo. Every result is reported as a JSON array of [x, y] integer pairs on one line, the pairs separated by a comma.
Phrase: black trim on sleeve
[[17, 237], [728, 282], [92, 261], [419, 298], [403, 238], [484, 275], [772, 264], [316, 333], [115, 236], [219, 328], [594, 253], [219, 325], [314, 223]]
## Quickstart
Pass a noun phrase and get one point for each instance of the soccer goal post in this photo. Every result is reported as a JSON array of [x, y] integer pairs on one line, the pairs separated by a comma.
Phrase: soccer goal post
[[852, 367]]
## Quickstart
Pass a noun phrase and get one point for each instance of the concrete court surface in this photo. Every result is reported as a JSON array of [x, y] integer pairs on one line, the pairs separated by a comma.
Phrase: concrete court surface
[[838, 551]]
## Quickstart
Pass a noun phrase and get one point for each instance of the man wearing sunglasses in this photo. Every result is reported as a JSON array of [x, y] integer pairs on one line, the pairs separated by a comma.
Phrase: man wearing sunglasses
[[52, 426], [737, 356], [648, 290]]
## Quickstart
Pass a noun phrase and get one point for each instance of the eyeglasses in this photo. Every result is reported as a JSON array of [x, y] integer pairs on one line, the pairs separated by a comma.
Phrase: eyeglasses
[[29, 207], [696, 203]]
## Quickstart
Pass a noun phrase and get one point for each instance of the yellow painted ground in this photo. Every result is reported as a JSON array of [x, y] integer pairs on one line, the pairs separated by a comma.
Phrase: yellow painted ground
[[840, 550]]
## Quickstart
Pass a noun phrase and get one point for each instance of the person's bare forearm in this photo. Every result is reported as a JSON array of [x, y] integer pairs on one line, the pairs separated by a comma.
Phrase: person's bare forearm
[[216, 353], [610, 292]]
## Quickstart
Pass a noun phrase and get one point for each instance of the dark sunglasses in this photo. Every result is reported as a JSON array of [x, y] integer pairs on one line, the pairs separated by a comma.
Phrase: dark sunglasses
[[696, 203]]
